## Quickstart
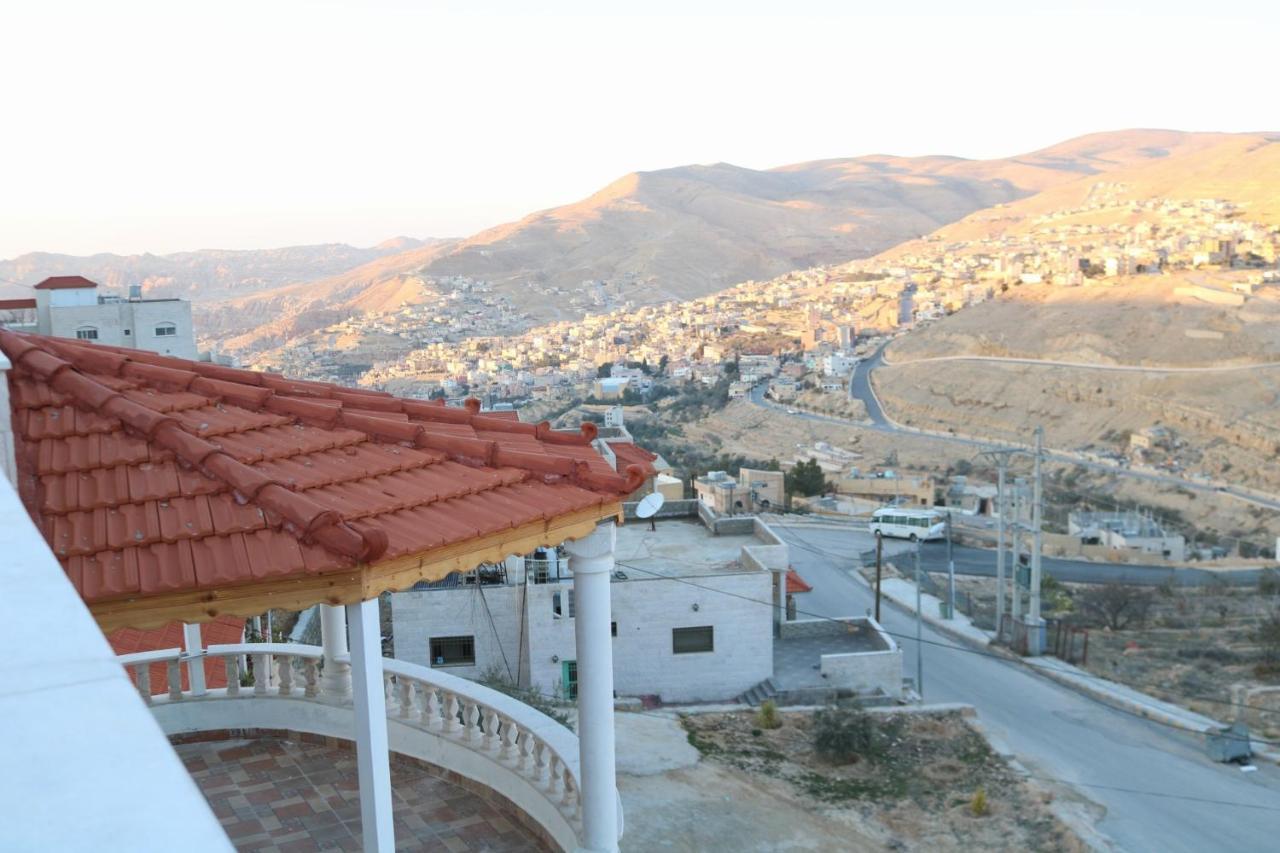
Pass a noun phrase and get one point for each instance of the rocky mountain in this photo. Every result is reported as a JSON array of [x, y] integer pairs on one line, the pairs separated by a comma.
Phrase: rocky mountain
[[201, 276], [689, 231]]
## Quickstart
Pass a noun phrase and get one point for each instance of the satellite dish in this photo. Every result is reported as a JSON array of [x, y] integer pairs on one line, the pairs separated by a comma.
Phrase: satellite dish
[[649, 506]]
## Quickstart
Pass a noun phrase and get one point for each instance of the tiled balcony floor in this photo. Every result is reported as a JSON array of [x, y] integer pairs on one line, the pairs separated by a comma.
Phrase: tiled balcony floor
[[280, 796]]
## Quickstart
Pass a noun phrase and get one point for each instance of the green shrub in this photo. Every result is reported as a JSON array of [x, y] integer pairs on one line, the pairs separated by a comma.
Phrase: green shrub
[[978, 806], [843, 734], [768, 717]]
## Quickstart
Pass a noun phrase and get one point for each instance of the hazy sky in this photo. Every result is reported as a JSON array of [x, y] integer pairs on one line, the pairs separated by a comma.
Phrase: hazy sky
[[132, 126]]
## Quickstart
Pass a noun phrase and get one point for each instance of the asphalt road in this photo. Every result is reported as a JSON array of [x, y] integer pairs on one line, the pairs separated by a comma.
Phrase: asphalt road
[[860, 388], [981, 562], [1152, 787]]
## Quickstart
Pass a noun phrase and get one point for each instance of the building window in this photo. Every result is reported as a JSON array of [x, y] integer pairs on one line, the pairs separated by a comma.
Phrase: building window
[[686, 641], [613, 629], [166, 330], [569, 679], [87, 333], [453, 651], [557, 602]]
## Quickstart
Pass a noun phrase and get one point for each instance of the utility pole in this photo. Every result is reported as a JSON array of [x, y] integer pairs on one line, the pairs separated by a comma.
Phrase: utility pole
[[1001, 457], [1034, 645], [919, 631], [1016, 605], [951, 573], [879, 554]]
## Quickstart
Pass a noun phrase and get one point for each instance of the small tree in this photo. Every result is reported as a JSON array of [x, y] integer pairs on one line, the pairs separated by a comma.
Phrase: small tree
[[1267, 636], [1117, 606], [806, 478], [768, 717], [978, 806], [847, 733]]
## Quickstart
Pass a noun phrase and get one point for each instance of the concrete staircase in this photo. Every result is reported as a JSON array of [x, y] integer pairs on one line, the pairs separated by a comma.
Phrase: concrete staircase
[[766, 689]]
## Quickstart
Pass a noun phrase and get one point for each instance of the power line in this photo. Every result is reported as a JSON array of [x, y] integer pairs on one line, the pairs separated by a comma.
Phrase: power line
[[943, 645]]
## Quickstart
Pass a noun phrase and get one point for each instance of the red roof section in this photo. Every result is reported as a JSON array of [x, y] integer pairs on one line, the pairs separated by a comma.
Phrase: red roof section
[[224, 630], [630, 454], [65, 282], [16, 304], [150, 474], [796, 584]]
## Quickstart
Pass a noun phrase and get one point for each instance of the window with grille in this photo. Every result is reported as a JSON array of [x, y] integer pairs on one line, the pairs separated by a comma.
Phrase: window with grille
[[87, 333], [558, 600], [166, 330], [686, 641], [453, 651]]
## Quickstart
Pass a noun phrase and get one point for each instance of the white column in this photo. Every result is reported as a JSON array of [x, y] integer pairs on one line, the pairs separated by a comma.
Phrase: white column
[[8, 462], [373, 758], [335, 680], [195, 666], [591, 561]]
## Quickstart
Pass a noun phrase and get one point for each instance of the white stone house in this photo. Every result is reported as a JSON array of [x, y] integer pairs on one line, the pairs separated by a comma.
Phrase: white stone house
[[70, 307], [686, 631]]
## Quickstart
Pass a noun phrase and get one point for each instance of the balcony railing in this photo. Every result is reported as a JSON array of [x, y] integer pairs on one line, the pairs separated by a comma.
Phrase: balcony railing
[[517, 740]]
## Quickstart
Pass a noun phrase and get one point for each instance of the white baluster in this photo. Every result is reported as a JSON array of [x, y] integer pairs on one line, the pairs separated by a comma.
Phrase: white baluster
[[284, 667], [233, 674], [311, 677], [554, 770], [389, 688], [490, 717], [175, 679], [540, 754], [261, 674], [570, 796], [470, 720], [430, 713], [524, 747], [507, 738], [450, 721], [143, 673], [406, 697]]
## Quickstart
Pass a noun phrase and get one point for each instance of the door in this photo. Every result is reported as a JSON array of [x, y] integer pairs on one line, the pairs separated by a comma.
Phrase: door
[[569, 679]]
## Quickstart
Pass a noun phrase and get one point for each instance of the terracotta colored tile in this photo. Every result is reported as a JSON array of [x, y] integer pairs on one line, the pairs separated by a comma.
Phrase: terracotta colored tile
[[102, 487], [184, 518], [230, 516], [165, 567], [130, 525], [192, 482], [119, 448], [73, 453], [273, 553], [50, 422], [109, 574], [166, 401], [220, 560], [152, 481], [77, 533]]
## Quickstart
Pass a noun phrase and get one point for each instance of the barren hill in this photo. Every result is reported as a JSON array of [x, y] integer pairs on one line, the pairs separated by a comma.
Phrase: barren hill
[[693, 230], [201, 276]]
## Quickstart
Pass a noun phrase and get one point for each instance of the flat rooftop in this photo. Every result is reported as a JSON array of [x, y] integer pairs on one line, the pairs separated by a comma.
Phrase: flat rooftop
[[678, 548]]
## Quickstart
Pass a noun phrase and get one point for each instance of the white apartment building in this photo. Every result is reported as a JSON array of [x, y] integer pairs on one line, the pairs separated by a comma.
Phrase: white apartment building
[[691, 621], [69, 306]]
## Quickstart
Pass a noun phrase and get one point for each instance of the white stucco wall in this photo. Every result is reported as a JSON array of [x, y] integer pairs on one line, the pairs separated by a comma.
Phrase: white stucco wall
[[645, 611], [416, 617], [865, 671], [112, 319]]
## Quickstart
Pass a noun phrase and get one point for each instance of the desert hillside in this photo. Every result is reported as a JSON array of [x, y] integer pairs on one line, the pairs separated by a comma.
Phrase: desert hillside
[[694, 230], [201, 276], [1144, 320]]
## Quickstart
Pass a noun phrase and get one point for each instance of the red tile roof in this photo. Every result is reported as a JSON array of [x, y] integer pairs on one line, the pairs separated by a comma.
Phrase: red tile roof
[[152, 475], [16, 304], [65, 282], [631, 454], [223, 630], [796, 584]]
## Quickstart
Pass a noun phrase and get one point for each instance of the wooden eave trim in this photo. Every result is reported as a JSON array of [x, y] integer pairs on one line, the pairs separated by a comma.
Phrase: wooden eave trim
[[361, 583]]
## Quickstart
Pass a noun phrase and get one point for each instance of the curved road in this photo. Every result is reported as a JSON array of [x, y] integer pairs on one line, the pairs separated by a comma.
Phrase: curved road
[[1154, 787], [1082, 365], [861, 388]]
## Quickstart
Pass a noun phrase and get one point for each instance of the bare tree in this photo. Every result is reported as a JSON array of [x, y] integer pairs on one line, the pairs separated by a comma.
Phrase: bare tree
[[1117, 606]]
